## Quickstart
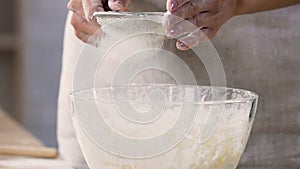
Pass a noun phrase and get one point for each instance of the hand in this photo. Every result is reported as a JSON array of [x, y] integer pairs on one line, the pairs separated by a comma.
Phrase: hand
[[207, 15], [82, 18]]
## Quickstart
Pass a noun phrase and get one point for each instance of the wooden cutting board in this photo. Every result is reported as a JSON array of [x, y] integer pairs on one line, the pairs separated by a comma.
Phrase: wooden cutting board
[[15, 140]]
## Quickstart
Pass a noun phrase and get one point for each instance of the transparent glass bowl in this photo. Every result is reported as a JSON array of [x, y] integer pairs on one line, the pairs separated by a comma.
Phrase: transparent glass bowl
[[216, 139]]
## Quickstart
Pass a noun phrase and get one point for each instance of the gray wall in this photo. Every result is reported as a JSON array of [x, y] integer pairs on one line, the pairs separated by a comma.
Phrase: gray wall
[[7, 55], [261, 52], [42, 41]]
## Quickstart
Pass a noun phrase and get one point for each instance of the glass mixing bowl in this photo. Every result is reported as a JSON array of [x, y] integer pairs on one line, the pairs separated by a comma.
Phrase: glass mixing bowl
[[120, 125], [219, 128]]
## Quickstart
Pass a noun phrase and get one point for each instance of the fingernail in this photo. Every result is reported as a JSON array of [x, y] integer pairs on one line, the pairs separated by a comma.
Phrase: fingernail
[[116, 5], [173, 32], [183, 44], [119, 4], [173, 5]]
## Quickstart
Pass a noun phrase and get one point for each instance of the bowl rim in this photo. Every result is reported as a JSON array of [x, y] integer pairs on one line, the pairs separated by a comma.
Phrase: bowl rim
[[152, 16], [252, 95], [112, 14]]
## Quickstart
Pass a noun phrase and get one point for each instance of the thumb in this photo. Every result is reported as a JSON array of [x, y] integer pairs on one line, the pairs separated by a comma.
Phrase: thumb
[[118, 5], [91, 6]]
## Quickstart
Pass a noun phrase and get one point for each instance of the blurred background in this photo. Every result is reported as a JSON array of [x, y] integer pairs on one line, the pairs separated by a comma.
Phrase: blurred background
[[260, 52], [31, 38]]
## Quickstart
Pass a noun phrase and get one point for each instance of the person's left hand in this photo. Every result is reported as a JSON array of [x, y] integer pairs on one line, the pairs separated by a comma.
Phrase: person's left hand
[[207, 15]]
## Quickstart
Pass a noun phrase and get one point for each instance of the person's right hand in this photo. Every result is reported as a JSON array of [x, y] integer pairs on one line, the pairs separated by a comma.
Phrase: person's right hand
[[193, 21], [82, 18]]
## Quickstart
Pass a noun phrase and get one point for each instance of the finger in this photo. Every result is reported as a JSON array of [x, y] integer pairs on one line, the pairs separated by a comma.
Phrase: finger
[[189, 25], [172, 5], [183, 13], [118, 5], [91, 6], [95, 40], [210, 32], [81, 25], [191, 8], [193, 39], [76, 7], [87, 38], [92, 40], [82, 36]]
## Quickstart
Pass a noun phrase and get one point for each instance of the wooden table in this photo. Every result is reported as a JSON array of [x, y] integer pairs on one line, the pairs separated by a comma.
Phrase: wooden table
[[19, 149], [14, 162]]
